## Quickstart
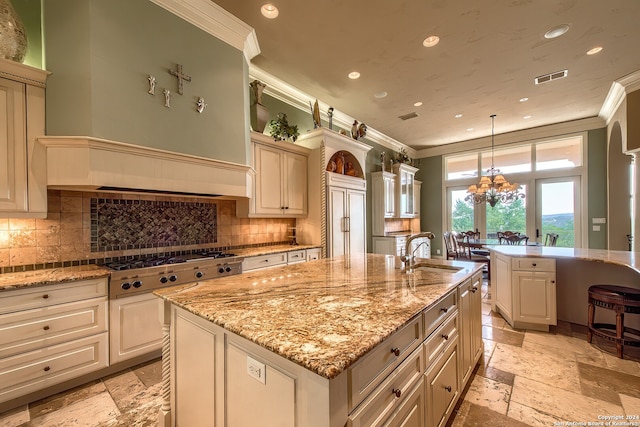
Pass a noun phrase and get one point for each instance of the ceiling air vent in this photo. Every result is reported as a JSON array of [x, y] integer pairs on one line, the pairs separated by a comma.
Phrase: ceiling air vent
[[551, 76], [408, 116]]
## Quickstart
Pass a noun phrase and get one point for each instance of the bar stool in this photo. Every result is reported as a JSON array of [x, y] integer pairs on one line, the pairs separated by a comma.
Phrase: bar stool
[[622, 300]]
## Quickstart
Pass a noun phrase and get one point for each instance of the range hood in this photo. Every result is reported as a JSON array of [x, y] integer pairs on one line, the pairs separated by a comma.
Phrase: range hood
[[89, 164]]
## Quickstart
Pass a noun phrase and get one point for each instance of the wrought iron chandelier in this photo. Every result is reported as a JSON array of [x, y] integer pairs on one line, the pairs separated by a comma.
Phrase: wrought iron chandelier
[[493, 187]]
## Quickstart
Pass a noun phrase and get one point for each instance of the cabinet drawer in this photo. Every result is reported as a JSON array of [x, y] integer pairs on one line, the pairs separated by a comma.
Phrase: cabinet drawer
[[367, 373], [440, 338], [442, 387], [434, 316], [263, 261], [28, 372], [533, 264], [296, 256], [42, 296], [313, 254], [390, 394], [30, 329]]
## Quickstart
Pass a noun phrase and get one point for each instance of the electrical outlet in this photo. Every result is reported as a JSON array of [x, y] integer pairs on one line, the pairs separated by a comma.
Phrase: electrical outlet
[[256, 370], [437, 251]]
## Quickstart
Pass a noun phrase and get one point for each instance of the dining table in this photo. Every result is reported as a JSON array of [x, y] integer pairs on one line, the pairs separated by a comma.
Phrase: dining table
[[482, 243]]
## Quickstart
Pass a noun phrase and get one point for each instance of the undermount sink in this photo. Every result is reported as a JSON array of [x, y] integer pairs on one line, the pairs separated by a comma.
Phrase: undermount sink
[[436, 268]]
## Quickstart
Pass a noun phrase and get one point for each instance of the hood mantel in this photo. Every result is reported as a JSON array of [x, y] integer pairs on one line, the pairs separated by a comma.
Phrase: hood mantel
[[86, 163]]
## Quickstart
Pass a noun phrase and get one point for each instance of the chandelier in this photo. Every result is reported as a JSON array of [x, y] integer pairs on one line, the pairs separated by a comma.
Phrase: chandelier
[[493, 187]]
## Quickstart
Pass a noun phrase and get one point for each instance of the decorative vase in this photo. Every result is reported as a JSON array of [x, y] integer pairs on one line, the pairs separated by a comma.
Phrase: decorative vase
[[259, 117], [13, 38]]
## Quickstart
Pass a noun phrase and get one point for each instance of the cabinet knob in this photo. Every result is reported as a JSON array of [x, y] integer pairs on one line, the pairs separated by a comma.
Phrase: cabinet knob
[[395, 351], [46, 328], [534, 264], [444, 309], [474, 289], [45, 296], [47, 369], [553, 281], [397, 392], [448, 388], [445, 336]]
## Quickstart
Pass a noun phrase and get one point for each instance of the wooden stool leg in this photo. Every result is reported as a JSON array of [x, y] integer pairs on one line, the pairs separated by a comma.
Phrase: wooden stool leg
[[619, 329], [591, 311]]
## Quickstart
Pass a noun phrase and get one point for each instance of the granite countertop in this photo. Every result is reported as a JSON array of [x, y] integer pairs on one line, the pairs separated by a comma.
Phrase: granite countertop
[[49, 276], [623, 258], [325, 314], [266, 250]]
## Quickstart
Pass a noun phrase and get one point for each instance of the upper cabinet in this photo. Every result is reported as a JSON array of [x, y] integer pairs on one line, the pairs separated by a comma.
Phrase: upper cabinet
[[383, 199], [280, 185], [405, 188], [23, 190]]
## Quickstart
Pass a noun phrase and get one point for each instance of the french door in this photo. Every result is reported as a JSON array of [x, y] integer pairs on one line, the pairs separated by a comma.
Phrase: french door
[[557, 210]]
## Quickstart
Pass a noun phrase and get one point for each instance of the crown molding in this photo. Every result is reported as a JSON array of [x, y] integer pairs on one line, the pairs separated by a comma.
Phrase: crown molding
[[617, 93], [293, 96], [216, 21]]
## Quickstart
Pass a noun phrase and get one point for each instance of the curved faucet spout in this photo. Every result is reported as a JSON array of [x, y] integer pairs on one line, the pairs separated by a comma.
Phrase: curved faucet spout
[[408, 253]]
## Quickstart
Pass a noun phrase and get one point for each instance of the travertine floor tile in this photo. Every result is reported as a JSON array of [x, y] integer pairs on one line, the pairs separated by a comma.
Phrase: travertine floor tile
[[149, 373], [61, 400], [502, 336], [566, 405], [489, 393], [15, 417], [496, 375], [631, 405], [610, 379], [87, 412], [480, 416], [600, 393], [122, 386], [553, 369], [489, 346], [493, 320], [531, 416]]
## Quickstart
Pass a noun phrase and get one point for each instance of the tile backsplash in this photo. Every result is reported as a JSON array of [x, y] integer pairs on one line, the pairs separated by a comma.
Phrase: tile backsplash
[[69, 235]]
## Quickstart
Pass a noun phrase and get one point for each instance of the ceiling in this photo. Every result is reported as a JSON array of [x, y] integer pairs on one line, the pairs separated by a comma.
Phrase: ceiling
[[489, 53]]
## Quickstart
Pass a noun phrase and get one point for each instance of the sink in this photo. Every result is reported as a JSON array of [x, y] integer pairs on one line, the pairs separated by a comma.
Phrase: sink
[[436, 268]]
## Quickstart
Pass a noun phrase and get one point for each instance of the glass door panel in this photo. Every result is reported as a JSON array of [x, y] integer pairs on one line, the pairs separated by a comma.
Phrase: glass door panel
[[507, 216], [558, 210], [461, 217]]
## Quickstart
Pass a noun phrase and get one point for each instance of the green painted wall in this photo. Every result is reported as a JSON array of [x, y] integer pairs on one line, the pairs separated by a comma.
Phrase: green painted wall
[[431, 199], [100, 53], [30, 14], [597, 186]]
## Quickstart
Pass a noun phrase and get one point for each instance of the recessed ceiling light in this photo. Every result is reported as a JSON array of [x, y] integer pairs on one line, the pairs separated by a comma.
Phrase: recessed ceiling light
[[556, 31], [527, 117], [354, 75], [457, 116], [594, 50], [469, 129], [524, 99], [380, 94], [417, 104], [269, 11], [431, 41]]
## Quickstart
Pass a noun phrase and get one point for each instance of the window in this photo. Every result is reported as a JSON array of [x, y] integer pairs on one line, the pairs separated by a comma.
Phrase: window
[[509, 160], [460, 167], [566, 153]]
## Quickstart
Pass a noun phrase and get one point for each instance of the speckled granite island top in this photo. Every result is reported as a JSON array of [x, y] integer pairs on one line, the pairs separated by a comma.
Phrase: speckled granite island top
[[623, 258], [50, 275], [323, 315]]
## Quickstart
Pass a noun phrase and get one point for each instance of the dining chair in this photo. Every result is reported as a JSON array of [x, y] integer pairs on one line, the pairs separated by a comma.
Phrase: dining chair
[[516, 239], [452, 252], [551, 239], [504, 234], [465, 253], [472, 234]]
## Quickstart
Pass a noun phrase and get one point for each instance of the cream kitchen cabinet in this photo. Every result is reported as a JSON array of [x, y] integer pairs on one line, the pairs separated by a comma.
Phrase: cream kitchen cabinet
[[280, 188], [405, 188], [383, 202], [417, 187], [51, 334], [347, 219], [470, 344], [396, 245], [279, 259], [525, 291], [313, 254], [23, 191]]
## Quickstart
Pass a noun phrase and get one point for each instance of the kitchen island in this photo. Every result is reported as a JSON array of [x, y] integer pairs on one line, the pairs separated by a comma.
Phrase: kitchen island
[[535, 286], [334, 342]]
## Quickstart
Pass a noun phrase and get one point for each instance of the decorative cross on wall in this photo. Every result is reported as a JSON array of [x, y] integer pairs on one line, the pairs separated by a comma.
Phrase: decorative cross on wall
[[181, 77]]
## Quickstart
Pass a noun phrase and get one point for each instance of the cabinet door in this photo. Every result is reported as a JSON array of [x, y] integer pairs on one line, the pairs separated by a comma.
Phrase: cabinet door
[[337, 221], [13, 147], [135, 327], [442, 388], [269, 176], [417, 186], [411, 412], [389, 197], [501, 283], [295, 184], [477, 345], [534, 296], [356, 222], [465, 331]]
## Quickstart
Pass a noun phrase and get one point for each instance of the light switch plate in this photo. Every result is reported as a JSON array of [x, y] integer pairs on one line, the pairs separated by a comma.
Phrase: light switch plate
[[256, 370], [599, 220], [596, 228]]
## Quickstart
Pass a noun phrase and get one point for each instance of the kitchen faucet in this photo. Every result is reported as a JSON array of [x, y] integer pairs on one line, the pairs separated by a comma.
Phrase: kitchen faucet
[[409, 257]]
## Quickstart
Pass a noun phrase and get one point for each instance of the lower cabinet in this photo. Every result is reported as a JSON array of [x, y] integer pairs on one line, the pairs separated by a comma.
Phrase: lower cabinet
[[51, 334], [442, 384], [471, 344], [275, 259]]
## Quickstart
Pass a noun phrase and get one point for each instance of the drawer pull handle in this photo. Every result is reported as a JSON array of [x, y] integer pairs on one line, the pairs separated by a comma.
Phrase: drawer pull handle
[[45, 296], [46, 328], [553, 281], [395, 351], [445, 336], [47, 369], [448, 388], [534, 264], [397, 392], [474, 289], [444, 309]]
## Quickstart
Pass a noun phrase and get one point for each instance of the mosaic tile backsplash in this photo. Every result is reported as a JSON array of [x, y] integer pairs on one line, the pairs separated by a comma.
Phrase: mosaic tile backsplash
[[120, 224], [66, 236]]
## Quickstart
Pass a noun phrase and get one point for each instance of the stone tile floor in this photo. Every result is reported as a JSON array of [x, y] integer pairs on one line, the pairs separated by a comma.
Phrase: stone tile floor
[[523, 379]]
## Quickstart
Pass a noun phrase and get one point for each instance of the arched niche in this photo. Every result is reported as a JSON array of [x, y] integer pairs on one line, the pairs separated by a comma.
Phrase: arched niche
[[343, 162], [619, 190]]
